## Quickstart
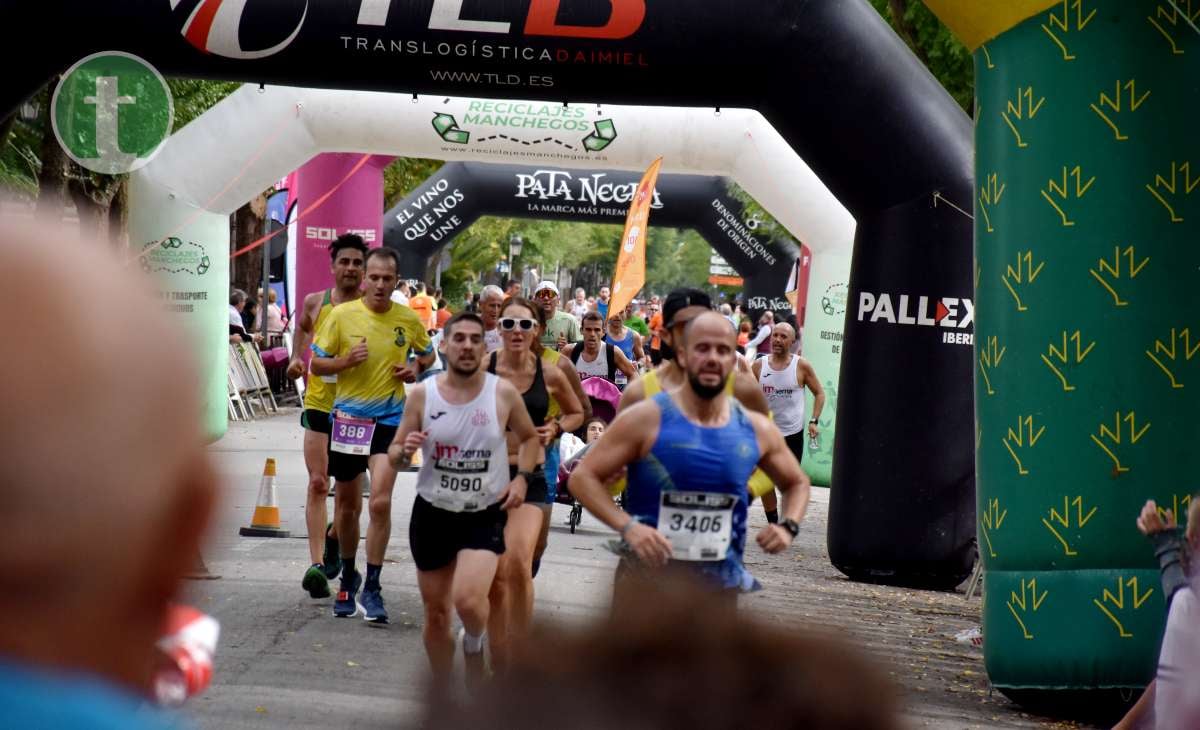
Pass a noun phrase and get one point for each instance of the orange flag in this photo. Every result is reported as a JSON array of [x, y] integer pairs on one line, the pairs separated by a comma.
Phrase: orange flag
[[631, 260]]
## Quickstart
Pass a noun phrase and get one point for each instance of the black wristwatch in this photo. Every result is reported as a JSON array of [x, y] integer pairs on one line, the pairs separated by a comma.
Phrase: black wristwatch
[[813, 422], [528, 477], [791, 526]]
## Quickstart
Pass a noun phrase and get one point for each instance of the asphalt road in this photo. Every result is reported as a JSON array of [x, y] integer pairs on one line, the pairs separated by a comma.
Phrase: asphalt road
[[285, 662]]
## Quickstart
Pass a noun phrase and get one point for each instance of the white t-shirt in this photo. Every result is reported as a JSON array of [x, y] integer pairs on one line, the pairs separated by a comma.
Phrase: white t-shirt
[[491, 340], [578, 310], [399, 298], [1177, 693]]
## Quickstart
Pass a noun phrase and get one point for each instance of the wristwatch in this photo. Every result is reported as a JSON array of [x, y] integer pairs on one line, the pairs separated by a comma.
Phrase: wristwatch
[[813, 422], [528, 475], [791, 526]]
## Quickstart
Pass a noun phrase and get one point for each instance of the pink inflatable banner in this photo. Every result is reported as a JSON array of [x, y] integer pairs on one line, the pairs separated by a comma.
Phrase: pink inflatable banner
[[355, 207]]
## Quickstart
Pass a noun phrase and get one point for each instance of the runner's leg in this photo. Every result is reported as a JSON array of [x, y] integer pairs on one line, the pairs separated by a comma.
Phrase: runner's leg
[[316, 460], [379, 508], [476, 569], [436, 594], [520, 539]]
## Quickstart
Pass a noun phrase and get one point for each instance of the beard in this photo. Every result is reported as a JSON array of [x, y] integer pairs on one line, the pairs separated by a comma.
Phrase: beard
[[464, 372], [706, 392]]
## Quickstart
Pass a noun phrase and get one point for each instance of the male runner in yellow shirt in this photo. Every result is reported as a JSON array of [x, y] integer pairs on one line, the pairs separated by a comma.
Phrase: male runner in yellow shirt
[[367, 344]]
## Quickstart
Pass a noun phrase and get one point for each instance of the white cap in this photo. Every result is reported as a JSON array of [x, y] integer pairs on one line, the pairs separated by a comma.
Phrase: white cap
[[546, 285]]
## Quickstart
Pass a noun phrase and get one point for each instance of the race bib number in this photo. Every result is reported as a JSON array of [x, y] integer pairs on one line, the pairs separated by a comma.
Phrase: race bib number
[[460, 493], [352, 435], [698, 524]]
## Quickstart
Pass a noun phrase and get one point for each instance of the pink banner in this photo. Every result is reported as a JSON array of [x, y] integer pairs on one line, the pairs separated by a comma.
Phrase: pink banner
[[356, 207]]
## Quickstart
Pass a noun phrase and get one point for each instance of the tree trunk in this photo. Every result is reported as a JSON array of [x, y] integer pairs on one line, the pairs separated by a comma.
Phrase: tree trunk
[[118, 216], [52, 178], [247, 268]]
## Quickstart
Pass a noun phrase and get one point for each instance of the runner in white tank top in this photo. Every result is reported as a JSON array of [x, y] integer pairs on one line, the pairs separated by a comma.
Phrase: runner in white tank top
[[464, 465], [784, 390], [458, 421], [785, 395]]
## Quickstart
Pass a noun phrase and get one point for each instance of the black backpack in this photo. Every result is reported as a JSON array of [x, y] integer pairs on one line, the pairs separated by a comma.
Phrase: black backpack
[[577, 352]]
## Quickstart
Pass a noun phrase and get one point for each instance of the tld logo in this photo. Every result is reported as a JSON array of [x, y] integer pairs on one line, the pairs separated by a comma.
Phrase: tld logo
[[948, 312], [215, 26]]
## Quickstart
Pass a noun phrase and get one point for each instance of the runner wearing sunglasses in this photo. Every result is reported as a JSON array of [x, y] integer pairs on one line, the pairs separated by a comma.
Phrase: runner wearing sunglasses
[[520, 363]]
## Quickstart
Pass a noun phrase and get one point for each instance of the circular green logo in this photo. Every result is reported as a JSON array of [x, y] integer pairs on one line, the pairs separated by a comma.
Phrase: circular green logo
[[111, 112]]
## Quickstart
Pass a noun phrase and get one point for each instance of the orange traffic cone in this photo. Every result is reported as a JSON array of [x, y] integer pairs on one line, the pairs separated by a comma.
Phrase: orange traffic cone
[[265, 522]]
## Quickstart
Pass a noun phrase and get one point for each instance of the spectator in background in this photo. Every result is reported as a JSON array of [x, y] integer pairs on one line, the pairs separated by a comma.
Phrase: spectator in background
[[561, 329], [655, 324], [727, 313], [1172, 700], [761, 342], [423, 305], [443, 313], [602, 302], [579, 305], [249, 313], [275, 321], [401, 295], [635, 321], [84, 654], [237, 324], [743, 334], [514, 288], [490, 301]]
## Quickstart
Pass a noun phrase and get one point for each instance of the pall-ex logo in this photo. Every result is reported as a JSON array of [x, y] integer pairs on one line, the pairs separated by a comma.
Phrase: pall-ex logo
[[215, 26], [949, 312]]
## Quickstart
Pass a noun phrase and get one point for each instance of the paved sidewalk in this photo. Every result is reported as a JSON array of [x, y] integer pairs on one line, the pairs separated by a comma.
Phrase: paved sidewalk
[[284, 661]]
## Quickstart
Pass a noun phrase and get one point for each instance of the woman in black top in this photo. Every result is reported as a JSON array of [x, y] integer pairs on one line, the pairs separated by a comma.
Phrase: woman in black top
[[519, 361]]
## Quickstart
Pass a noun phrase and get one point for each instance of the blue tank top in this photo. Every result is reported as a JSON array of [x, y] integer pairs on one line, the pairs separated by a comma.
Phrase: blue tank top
[[691, 458], [625, 345]]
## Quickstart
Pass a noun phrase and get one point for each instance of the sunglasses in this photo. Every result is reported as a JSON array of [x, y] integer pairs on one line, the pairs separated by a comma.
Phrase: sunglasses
[[508, 324]]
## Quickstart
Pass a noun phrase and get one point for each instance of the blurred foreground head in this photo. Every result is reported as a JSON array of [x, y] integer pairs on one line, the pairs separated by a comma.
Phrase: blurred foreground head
[[679, 660], [106, 485]]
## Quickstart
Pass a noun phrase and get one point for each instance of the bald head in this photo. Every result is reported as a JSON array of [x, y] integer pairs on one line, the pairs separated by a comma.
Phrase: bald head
[[782, 338], [103, 452], [709, 353]]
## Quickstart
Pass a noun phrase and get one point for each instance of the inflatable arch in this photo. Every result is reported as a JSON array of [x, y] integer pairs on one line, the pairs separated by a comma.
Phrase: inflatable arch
[[1086, 389], [844, 92], [460, 193]]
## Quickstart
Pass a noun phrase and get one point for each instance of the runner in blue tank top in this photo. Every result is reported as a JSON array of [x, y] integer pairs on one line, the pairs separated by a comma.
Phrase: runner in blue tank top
[[689, 455]]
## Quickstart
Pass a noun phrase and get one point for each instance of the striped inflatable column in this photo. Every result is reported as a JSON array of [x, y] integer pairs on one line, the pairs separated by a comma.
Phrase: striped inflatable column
[[1088, 331]]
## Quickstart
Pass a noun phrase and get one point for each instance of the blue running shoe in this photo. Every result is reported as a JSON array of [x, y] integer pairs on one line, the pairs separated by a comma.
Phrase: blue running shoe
[[346, 604], [373, 610]]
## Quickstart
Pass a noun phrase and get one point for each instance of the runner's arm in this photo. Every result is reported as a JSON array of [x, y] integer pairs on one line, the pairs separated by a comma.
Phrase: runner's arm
[[749, 393], [763, 333], [638, 354], [568, 369], [402, 448], [568, 403], [303, 336], [778, 462], [756, 369], [625, 441], [626, 367], [808, 378]]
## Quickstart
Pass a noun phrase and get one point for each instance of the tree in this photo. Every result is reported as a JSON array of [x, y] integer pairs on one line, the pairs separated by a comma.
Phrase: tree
[[933, 43]]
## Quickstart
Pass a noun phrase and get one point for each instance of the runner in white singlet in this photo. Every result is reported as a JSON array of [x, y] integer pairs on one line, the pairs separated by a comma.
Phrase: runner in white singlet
[[458, 420]]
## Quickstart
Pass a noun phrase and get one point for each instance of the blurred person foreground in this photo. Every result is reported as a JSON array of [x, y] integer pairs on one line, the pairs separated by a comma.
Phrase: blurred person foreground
[[660, 663], [107, 487]]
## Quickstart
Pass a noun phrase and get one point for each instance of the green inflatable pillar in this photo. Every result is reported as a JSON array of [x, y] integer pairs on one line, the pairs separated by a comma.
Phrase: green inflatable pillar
[[825, 320], [191, 274], [1087, 376]]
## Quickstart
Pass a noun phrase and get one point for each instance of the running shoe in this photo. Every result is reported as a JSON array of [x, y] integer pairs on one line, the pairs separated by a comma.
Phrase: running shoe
[[315, 582], [373, 610], [346, 604], [475, 670], [331, 561]]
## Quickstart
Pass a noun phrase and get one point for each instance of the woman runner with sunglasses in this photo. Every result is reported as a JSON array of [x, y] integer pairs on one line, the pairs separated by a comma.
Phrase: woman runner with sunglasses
[[519, 362]]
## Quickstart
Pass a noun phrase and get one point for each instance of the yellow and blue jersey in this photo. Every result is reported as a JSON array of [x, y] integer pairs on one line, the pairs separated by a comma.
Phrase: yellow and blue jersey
[[368, 390]]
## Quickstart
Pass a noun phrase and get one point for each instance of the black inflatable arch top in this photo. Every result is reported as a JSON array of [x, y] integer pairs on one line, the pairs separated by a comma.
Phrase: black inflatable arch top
[[461, 192], [829, 74]]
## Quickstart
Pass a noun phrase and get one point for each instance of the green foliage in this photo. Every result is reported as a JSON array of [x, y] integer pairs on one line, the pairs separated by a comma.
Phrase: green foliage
[[405, 175], [933, 43], [193, 97]]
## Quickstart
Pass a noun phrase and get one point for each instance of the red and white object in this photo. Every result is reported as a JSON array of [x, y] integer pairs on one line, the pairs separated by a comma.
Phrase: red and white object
[[189, 646]]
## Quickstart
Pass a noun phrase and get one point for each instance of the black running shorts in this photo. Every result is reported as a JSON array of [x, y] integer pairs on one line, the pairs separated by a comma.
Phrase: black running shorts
[[537, 492], [317, 421], [347, 467], [796, 443], [435, 536]]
